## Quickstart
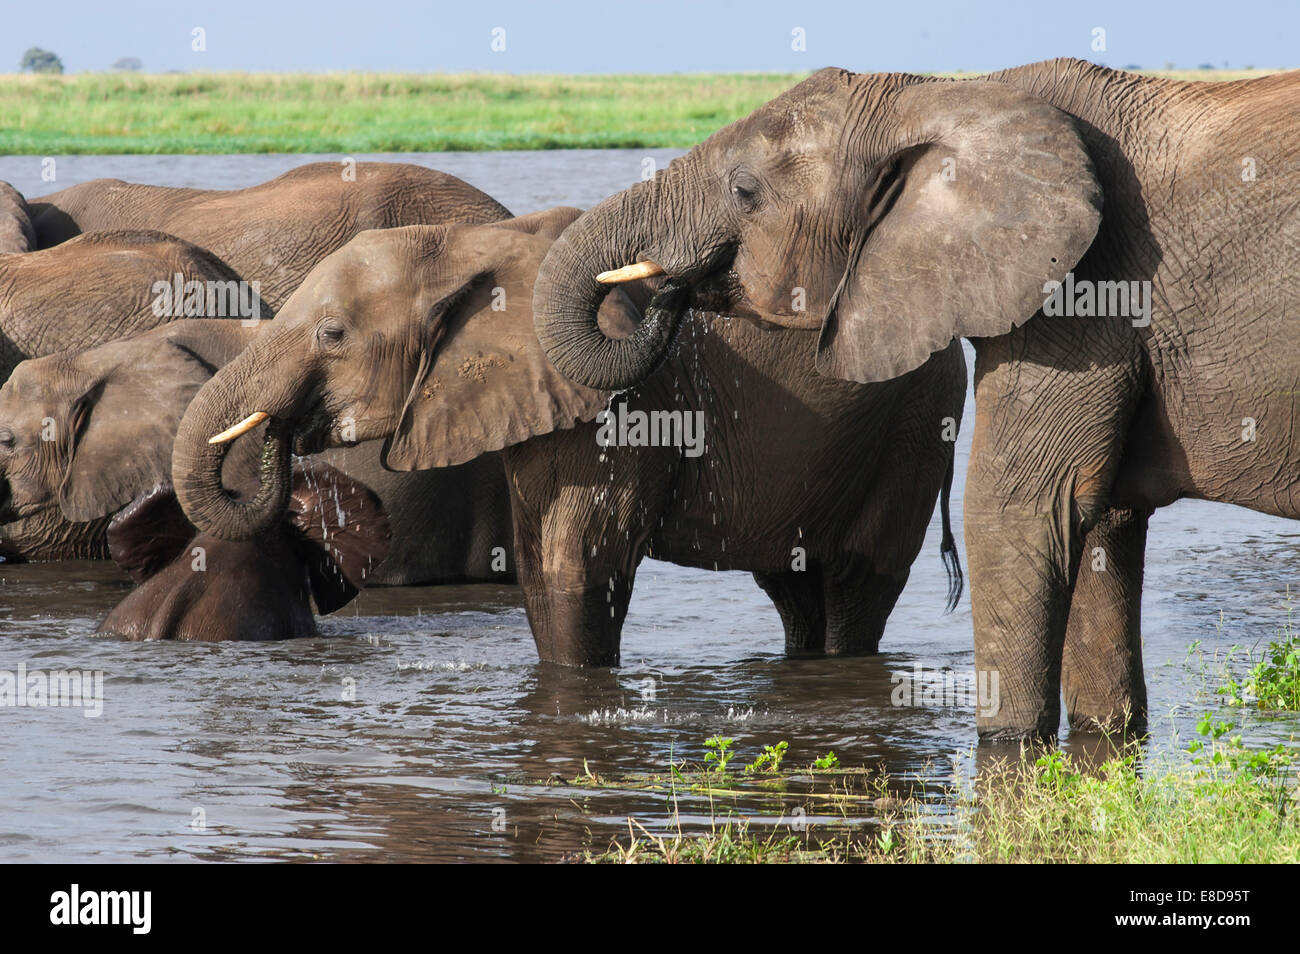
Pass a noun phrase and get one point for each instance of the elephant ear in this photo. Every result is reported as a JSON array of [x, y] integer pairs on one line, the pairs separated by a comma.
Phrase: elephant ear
[[17, 234], [149, 533], [340, 530], [119, 431], [484, 382], [987, 195]]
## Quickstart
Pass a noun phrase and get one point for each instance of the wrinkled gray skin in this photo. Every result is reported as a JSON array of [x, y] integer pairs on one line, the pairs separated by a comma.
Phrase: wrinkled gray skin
[[398, 332], [275, 232], [914, 210], [110, 414], [17, 234], [194, 586], [94, 288]]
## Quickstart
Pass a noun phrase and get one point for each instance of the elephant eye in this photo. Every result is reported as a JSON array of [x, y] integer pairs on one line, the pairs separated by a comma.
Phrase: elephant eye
[[6, 438], [329, 331], [744, 189]]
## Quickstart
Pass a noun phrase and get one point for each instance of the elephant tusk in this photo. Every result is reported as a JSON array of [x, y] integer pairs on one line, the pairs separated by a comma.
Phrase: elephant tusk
[[630, 273], [243, 427]]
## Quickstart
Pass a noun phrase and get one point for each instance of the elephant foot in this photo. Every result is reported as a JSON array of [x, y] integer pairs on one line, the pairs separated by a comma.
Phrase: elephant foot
[[1123, 722], [1019, 737]]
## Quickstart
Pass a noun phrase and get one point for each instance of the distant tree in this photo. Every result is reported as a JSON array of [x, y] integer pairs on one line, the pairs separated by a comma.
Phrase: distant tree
[[36, 60], [129, 63], [1133, 67], [1206, 66]]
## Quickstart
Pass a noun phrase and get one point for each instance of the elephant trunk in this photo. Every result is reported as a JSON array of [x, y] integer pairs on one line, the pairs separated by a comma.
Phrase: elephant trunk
[[197, 462], [567, 297]]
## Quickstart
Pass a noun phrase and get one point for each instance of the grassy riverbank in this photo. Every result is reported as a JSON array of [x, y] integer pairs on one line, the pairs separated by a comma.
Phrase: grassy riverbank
[[1220, 803], [99, 113]]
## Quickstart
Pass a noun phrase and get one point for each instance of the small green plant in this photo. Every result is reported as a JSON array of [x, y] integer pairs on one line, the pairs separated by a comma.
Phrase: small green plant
[[1232, 755], [1056, 771], [719, 754], [886, 840], [1274, 681], [827, 762], [769, 760]]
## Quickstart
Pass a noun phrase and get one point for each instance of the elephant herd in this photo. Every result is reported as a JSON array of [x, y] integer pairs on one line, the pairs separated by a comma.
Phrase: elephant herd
[[442, 390]]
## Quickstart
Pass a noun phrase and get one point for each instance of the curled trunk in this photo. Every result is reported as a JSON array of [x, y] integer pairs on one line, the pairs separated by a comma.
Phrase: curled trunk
[[567, 297], [197, 465]]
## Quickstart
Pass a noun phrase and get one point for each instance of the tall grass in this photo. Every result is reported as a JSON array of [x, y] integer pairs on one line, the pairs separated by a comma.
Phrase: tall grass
[[356, 112], [377, 112]]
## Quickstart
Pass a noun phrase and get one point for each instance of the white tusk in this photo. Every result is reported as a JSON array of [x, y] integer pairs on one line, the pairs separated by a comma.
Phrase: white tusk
[[629, 273], [243, 427]]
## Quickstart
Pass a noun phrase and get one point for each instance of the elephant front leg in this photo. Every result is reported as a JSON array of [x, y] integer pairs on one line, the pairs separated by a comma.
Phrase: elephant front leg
[[1101, 674], [1053, 401], [1021, 568], [576, 599], [575, 606], [797, 595]]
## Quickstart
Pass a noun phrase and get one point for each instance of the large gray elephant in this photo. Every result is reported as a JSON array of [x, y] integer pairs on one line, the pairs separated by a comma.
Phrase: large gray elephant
[[275, 232], [1121, 250], [84, 432], [104, 285], [423, 337]]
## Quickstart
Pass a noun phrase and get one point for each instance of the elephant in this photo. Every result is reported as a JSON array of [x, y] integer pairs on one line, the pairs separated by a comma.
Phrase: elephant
[[275, 232], [17, 234], [423, 338], [193, 586], [83, 433], [104, 285], [1127, 355]]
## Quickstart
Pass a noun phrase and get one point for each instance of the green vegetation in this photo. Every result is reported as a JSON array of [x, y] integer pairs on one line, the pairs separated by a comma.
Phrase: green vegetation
[[347, 113], [1273, 682], [1219, 802]]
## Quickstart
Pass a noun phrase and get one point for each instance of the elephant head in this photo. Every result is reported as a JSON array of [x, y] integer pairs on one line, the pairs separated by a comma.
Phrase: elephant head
[[193, 586], [421, 336], [17, 234], [86, 431], [890, 211]]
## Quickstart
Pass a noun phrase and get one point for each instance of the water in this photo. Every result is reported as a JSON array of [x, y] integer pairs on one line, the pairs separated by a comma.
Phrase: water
[[456, 743]]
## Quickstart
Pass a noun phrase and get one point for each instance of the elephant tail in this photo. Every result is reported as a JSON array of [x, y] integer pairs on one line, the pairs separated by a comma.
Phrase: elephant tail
[[948, 548]]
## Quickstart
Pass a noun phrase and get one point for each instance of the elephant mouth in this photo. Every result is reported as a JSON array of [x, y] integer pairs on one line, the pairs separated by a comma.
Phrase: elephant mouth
[[7, 511], [716, 292], [309, 433]]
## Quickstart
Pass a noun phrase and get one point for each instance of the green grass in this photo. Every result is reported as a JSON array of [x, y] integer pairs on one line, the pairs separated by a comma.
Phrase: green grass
[[1217, 801], [345, 113], [358, 113]]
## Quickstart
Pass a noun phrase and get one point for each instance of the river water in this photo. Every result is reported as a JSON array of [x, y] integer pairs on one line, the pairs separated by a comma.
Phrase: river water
[[421, 727]]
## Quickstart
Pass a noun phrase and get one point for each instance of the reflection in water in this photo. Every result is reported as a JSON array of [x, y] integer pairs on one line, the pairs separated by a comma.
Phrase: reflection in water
[[422, 727]]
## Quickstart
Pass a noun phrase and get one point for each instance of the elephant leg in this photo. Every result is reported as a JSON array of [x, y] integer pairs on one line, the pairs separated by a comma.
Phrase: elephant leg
[[1101, 669], [1053, 403], [797, 595], [859, 598], [576, 603], [1021, 570]]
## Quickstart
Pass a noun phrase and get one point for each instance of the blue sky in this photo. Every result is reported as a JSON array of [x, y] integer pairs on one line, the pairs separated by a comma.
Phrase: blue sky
[[580, 36]]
